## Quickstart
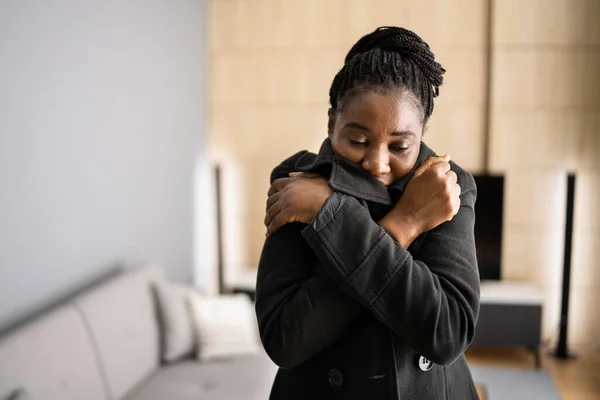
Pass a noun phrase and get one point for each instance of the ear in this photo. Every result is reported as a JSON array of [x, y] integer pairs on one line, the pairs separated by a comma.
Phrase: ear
[[331, 114]]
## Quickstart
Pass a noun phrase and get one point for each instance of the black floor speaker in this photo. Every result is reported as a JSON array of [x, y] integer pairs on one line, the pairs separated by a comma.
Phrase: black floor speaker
[[562, 348]]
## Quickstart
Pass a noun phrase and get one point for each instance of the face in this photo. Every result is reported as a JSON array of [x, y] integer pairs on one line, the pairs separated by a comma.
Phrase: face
[[380, 131]]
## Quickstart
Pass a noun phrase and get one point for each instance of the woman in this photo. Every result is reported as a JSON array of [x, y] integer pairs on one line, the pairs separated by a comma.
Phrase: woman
[[368, 286]]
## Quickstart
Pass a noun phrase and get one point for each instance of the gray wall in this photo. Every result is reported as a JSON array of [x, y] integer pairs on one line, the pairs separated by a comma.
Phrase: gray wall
[[101, 125]]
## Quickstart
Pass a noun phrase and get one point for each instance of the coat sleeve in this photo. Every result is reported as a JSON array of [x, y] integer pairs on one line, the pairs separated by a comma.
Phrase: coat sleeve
[[300, 310], [430, 300]]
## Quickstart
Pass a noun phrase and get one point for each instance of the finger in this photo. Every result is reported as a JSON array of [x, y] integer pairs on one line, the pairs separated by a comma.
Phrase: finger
[[278, 184], [426, 164], [456, 202], [452, 178], [272, 199], [441, 168], [277, 223], [457, 206], [456, 191], [308, 175], [431, 161], [272, 213]]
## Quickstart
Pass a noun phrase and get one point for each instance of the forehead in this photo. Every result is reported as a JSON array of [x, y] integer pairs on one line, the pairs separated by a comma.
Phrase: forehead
[[384, 111]]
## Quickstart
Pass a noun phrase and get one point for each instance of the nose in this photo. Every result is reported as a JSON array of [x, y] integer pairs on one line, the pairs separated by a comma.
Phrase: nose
[[377, 162]]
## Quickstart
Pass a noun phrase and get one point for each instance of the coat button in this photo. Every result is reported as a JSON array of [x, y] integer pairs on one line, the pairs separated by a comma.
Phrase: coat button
[[425, 364], [336, 378]]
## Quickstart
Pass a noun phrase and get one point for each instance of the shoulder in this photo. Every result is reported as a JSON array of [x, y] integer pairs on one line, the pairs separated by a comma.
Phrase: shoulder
[[291, 163], [468, 188], [465, 178]]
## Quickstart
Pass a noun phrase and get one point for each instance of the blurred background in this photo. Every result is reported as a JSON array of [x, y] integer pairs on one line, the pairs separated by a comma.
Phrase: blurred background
[[521, 98], [115, 114]]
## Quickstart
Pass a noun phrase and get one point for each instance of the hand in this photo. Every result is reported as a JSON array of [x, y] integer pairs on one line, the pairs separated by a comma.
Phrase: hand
[[431, 198], [295, 199], [431, 161]]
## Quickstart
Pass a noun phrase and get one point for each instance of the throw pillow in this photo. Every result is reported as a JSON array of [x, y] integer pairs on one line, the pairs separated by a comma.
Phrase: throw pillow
[[225, 326], [177, 332]]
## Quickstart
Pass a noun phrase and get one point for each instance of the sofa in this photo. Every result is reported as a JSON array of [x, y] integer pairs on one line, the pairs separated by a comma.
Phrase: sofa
[[105, 344]]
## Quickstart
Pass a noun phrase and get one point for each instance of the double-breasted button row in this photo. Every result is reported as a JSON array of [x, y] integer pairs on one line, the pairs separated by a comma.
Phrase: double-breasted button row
[[336, 377]]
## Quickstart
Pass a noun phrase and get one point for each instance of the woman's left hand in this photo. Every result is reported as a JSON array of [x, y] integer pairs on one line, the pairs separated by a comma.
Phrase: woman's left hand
[[295, 199]]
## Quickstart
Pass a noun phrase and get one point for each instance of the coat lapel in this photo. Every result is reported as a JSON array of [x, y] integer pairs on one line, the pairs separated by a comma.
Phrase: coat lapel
[[350, 178]]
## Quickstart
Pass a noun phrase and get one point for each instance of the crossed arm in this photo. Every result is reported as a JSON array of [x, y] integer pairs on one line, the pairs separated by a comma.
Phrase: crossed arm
[[300, 311], [431, 301]]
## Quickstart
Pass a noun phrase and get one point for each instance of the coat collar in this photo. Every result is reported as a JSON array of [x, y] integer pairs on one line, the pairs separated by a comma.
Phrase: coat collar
[[350, 178]]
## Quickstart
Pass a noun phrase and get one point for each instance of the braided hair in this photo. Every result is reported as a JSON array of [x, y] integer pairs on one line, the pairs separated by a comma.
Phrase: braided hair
[[390, 57]]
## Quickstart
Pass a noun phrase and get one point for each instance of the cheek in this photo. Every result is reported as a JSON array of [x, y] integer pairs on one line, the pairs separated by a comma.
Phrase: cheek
[[343, 148], [401, 166]]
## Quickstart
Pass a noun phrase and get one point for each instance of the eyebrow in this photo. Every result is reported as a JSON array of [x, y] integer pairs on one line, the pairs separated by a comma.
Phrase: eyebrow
[[356, 125]]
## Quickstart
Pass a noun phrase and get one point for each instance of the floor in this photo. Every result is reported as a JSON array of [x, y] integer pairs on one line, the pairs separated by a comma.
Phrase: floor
[[577, 379]]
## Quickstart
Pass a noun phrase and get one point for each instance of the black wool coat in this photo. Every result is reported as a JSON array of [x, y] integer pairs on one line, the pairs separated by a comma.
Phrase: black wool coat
[[348, 313]]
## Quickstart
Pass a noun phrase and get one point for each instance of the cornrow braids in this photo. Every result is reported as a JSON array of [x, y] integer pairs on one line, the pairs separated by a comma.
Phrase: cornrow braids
[[389, 57]]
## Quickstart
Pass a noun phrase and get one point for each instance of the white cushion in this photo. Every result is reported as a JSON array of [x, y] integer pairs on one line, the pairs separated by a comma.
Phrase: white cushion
[[225, 326], [52, 358], [513, 293], [176, 327], [122, 318]]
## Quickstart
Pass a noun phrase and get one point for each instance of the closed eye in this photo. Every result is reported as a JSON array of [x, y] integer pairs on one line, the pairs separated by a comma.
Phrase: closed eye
[[357, 143], [399, 149]]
